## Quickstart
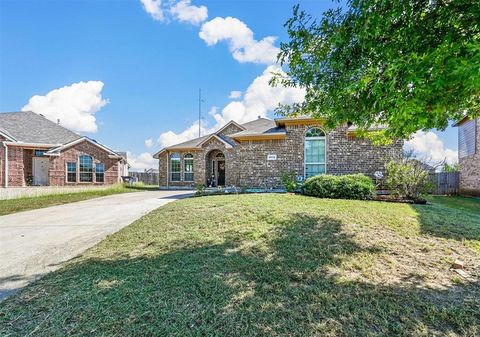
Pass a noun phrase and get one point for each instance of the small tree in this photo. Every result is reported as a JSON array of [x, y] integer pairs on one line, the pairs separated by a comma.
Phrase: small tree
[[407, 179], [451, 168], [409, 64]]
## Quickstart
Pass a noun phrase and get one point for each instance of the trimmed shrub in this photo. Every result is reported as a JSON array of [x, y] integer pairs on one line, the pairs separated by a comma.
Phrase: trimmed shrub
[[352, 186]]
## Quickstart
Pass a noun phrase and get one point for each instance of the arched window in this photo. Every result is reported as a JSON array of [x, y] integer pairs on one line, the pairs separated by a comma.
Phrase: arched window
[[315, 152], [175, 169], [188, 167], [86, 169]]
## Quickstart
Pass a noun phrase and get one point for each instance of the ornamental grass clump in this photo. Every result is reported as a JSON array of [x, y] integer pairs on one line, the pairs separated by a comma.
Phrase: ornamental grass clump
[[352, 186]]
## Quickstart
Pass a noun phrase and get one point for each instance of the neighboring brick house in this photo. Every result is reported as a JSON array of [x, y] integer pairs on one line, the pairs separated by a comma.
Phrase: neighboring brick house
[[255, 154], [469, 155], [37, 151]]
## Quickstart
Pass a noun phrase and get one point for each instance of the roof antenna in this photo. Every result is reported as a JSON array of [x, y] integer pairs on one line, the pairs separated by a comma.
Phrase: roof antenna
[[58, 121]]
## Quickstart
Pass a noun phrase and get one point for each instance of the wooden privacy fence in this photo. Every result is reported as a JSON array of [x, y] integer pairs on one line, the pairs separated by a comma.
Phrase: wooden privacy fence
[[445, 182], [145, 177]]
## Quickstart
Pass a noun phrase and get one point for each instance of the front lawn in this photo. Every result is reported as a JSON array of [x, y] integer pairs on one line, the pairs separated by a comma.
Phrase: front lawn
[[267, 265], [28, 203]]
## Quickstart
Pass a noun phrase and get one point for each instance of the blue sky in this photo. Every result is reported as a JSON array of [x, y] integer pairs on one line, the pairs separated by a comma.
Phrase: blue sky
[[127, 73]]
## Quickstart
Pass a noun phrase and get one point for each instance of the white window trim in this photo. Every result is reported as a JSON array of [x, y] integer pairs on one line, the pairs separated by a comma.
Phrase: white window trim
[[93, 170], [305, 138], [76, 172], [176, 172], [185, 172]]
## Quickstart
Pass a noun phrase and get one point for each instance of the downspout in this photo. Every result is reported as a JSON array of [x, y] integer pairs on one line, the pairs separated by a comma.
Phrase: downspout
[[6, 164]]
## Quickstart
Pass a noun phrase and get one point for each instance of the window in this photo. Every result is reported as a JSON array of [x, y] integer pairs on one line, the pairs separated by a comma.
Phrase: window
[[315, 152], [86, 169], [466, 138], [71, 172], [99, 173], [175, 170], [39, 153], [188, 167]]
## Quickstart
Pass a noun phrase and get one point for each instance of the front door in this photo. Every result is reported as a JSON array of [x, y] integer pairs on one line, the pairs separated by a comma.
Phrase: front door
[[221, 173], [40, 171]]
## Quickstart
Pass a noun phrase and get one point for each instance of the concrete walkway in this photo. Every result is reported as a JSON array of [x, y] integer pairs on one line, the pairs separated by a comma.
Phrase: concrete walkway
[[35, 242]]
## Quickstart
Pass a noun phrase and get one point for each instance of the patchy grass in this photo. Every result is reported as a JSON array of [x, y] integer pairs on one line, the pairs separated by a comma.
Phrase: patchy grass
[[265, 265], [28, 203]]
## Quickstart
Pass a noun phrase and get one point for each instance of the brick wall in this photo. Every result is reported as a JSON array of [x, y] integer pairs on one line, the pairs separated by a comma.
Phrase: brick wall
[[16, 176], [344, 156], [247, 164], [230, 130], [199, 165], [27, 165], [57, 167], [2, 161], [470, 169], [17, 160]]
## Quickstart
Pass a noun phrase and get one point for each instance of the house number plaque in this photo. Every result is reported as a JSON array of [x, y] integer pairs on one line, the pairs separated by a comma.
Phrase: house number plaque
[[271, 157]]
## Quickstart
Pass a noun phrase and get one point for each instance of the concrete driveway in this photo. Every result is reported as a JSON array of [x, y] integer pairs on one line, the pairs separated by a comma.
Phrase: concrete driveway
[[35, 242]]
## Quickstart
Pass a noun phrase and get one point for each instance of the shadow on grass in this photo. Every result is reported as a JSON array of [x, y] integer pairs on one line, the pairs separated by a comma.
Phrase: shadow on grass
[[455, 218], [281, 285]]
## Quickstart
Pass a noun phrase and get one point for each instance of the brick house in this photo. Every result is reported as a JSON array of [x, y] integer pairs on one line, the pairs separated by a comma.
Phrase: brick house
[[255, 154], [37, 151], [469, 155]]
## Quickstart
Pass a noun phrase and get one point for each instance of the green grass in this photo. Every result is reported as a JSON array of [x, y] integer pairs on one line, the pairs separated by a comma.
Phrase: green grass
[[266, 265], [28, 203]]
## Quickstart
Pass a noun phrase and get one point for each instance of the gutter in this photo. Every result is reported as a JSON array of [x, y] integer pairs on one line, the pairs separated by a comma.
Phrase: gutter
[[6, 164], [33, 145]]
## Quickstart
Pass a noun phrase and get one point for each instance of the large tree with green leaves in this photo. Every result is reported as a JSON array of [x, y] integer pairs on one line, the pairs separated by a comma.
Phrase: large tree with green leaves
[[410, 64]]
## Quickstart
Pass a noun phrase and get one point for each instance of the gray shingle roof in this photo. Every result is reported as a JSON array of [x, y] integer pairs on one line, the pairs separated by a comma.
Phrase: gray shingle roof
[[189, 144], [29, 127], [258, 127]]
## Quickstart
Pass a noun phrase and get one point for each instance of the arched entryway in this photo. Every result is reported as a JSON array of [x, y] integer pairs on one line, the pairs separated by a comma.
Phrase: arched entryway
[[215, 168]]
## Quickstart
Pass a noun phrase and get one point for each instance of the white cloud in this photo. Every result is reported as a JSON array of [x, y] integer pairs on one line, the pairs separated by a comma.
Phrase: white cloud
[[259, 99], [143, 161], [239, 37], [75, 105], [183, 11], [235, 94], [429, 146], [148, 142], [213, 111], [170, 138], [154, 8]]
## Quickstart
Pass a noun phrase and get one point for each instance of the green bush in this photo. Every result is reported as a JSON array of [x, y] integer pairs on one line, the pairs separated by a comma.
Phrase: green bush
[[289, 181], [353, 186], [407, 179], [200, 188]]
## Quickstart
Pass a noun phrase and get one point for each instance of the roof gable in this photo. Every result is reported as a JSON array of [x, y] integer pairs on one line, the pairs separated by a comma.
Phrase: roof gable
[[230, 125], [227, 144], [56, 151], [256, 126]]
